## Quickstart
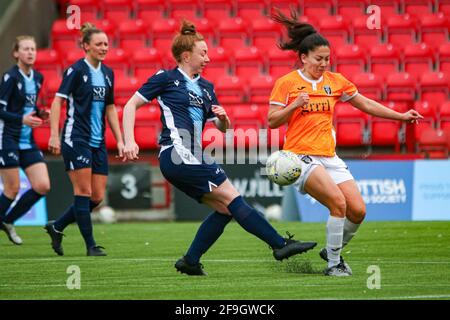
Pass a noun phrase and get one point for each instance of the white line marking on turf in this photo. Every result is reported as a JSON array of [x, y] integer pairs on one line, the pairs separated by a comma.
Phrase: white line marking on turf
[[65, 259], [422, 297]]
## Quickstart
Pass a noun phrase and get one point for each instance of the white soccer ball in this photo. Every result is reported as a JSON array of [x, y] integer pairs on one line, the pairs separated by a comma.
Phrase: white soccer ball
[[107, 214], [283, 167]]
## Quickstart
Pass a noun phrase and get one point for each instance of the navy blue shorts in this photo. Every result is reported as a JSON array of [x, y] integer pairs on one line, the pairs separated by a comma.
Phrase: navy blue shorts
[[193, 179], [15, 158], [82, 156]]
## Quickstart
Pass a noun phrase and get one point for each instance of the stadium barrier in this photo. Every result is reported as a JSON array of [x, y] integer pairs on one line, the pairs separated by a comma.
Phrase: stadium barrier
[[392, 190]]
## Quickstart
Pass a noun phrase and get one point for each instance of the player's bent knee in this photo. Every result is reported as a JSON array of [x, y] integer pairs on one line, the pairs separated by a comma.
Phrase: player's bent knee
[[338, 206], [357, 214], [42, 188]]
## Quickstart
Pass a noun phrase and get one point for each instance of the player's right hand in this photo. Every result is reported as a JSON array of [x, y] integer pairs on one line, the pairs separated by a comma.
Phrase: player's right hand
[[302, 99], [31, 120], [54, 145], [130, 151]]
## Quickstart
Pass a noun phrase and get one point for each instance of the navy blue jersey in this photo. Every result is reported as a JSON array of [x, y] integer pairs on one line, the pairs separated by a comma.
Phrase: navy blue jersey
[[185, 107], [88, 91], [18, 96]]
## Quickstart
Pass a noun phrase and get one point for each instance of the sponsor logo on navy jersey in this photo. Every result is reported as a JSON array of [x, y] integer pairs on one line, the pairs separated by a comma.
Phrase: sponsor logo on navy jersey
[[31, 99], [195, 100], [99, 93]]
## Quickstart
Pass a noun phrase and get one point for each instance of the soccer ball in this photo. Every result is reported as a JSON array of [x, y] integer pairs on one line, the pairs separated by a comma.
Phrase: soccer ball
[[283, 167], [107, 215]]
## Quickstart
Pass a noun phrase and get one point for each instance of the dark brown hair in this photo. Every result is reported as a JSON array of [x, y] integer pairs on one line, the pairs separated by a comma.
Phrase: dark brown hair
[[303, 37], [185, 40]]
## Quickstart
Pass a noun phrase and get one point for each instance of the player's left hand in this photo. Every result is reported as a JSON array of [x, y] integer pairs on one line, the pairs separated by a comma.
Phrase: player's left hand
[[412, 116], [220, 112], [120, 147]]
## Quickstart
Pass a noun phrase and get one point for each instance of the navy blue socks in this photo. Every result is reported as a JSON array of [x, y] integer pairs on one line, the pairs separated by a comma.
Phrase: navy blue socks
[[209, 231], [68, 216], [255, 223], [83, 217], [26, 201], [5, 203]]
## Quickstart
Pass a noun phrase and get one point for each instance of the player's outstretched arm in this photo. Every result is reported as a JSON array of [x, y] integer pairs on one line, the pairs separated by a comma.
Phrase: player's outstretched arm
[[131, 149], [376, 109], [54, 144], [113, 120]]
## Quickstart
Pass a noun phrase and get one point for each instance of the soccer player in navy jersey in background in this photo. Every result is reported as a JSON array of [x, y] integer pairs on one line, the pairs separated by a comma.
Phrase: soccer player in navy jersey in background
[[87, 87], [19, 89], [187, 101]]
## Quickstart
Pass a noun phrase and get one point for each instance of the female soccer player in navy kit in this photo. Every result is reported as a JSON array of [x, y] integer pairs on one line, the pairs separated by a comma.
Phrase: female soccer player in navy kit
[[19, 90], [187, 101], [88, 88]]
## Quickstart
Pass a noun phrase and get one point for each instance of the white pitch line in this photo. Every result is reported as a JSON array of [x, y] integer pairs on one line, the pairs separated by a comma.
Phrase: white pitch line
[[205, 260]]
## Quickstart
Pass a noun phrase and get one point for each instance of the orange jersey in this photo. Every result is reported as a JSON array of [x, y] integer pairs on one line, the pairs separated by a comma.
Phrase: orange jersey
[[310, 129]]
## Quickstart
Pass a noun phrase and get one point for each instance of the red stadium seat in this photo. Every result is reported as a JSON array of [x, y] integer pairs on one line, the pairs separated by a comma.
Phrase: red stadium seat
[[146, 62], [147, 135], [351, 9], [429, 114], [212, 137], [350, 125], [350, 59], [118, 60], [444, 57], [433, 143], [443, 6], [184, 9], [418, 59], [49, 89], [72, 57], [90, 9], [219, 65], [232, 33], [418, 7], [280, 62], [148, 113], [124, 89], [316, 8], [388, 7], [363, 36], [163, 31], [48, 63], [401, 30], [335, 29], [149, 10], [434, 87], [230, 90], [434, 29], [369, 84], [117, 10], [401, 87], [207, 28], [250, 9], [249, 62], [133, 35], [41, 136], [217, 9], [265, 33], [444, 116], [385, 132], [260, 88], [384, 59], [64, 39]]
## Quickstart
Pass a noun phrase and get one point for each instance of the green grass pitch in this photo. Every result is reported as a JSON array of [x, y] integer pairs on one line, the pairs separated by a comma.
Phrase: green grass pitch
[[413, 259]]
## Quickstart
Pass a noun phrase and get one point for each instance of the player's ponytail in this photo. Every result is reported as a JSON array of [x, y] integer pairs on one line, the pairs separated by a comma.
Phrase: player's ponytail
[[185, 40], [303, 37], [87, 30]]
